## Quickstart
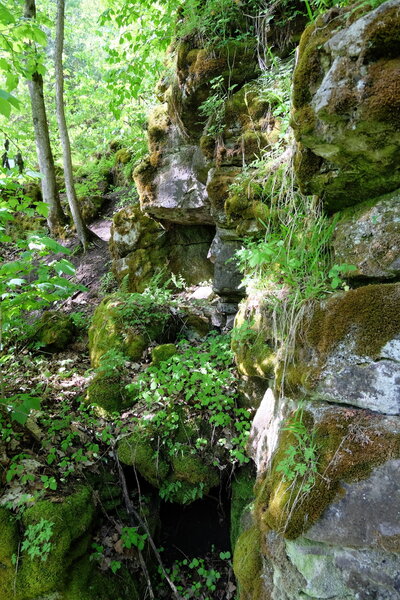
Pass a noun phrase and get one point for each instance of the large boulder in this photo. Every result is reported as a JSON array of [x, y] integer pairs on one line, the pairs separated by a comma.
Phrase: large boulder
[[142, 247], [346, 117]]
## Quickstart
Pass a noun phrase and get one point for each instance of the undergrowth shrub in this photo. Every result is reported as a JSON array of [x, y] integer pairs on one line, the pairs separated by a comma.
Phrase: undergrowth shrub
[[196, 385]]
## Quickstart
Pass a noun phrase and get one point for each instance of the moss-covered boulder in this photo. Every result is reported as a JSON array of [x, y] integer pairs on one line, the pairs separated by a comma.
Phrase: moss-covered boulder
[[107, 392], [132, 229], [126, 324], [368, 237], [349, 444], [8, 549], [348, 348], [346, 105], [49, 572], [54, 331], [141, 247]]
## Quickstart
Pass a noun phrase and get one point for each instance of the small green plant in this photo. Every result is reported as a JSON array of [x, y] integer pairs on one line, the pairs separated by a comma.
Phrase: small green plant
[[301, 461], [214, 107], [198, 577], [131, 538], [37, 538]]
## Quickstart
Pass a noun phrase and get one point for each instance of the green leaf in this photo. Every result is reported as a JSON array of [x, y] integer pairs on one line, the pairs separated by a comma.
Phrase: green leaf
[[64, 266], [6, 18], [42, 209], [5, 107]]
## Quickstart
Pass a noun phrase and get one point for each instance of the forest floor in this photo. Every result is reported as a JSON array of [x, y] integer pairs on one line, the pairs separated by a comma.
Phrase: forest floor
[[65, 442]]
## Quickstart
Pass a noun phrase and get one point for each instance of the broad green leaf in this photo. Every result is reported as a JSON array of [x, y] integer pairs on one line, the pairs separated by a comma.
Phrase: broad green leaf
[[5, 107]]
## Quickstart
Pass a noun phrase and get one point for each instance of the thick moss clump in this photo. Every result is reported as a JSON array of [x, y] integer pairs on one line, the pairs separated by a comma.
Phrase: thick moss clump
[[242, 497], [122, 156], [138, 450], [125, 323], [55, 331], [71, 520], [350, 444], [369, 314], [247, 565], [8, 548], [192, 469], [163, 352], [107, 392]]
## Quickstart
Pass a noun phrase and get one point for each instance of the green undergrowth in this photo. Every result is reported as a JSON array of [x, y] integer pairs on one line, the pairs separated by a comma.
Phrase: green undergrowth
[[186, 425], [290, 263]]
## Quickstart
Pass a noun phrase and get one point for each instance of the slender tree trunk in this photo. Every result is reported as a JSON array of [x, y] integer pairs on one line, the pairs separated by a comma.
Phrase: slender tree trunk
[[56, 217], [84, 234]]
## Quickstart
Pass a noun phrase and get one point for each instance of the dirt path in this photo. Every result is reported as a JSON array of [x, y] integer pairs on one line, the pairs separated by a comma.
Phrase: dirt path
[[94, 264]]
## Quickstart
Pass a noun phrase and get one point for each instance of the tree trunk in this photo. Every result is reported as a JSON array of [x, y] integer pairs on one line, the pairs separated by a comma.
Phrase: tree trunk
[[84, 234], [56, 217]]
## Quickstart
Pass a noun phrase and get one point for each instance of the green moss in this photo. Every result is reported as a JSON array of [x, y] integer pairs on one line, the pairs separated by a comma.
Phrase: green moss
[[350, 443], [141, 266], [55, 331], [242, 496], [247, 565], [382, 36], [368, 314], [383, 102], [122, 156], [87, 583], [72, 518], [106, 392], [110, 330], [157, 127], [208, 145], [163, 352], [8, 547], [137, 450], [251, 345], [191, 468]]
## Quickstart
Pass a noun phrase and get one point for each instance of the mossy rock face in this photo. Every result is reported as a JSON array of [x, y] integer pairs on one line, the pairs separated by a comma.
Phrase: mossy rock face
[[368, 237], [107, 392], [157, 128], [249, 127], [252, 340], [33, 578], [350, 350], [241, 502], [236, 63], [132, 229], [346, 101], [193, 469], [140, 247], [90, 206], [350, 444], [55, 331], [219, 180], [8, 548], [113, 328], [139, 450], [247, 565]]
